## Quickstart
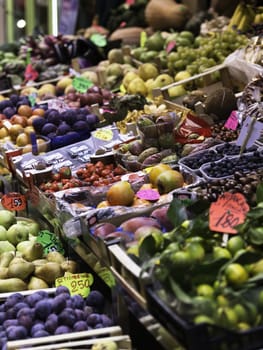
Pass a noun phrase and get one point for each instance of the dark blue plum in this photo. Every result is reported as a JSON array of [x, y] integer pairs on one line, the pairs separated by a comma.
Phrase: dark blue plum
[[78, 302], [36, 327], [38, 124], [67, 317], [48, 128], [40, 333], [80, 326], [62, 289], [93, 319], [20, 306], [79, 314], [5, 103], [51, 323], [63, 330], [87, 311], [32, 299], [10, 322], [12, 300], [106, 320], [53, 117], [25, 311], [63, 129], [95, 299], [59, 302], [16, 332], [43, 308], [10, 313], [98, 325], [26, 321]]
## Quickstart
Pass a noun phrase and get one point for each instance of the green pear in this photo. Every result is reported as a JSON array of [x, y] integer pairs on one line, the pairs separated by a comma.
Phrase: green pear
[[155, 42], [9, 285], [37, 283], [137, 86], [49, 272], [148, 71], [6, 258], [7, 218], [169, 180], [21, 247], [163, 80], [3, 272], [38, 262], [34, 251], [20, 268], [69, 266], [55, 256], [176, 91], [2, 233], [17, 233], [6, 246]]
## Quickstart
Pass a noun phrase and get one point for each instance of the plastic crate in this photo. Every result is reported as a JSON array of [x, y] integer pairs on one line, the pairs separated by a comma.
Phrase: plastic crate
[[202, 336]]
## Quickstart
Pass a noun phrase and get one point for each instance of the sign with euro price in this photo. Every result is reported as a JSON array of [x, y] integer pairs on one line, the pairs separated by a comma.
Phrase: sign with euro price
[[79, 283], [228, 211], [14, 201], [82, 84]]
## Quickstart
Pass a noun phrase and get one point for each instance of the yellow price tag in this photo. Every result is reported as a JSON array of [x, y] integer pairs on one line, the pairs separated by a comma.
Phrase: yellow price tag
[[78, 283], [105, 134], [143, 38]]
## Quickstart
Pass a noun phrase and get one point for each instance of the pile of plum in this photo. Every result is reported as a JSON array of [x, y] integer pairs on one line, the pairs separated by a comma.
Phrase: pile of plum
[[41, 314], [195, 161], [232, 149]]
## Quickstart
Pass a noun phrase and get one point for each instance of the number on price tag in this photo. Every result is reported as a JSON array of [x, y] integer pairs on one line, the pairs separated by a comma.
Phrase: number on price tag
[[104, 134], [82, 84], [50, 242], [76, 283], [14, 201], [227, 212]]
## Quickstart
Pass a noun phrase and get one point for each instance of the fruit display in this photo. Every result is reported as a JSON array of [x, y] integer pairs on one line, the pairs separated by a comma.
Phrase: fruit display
[[25, 262], [41, 314]]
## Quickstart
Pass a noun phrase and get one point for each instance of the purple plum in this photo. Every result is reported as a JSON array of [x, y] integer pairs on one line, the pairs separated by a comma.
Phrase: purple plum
[[62, 330], [10, 322], [59, 302], [36, 327], [93, 319], [62, 289], [40, 333], [16, 332], [43, 308], [67, 317], [80, 326], [95, 299], [78, 301], [51, 323], [106, 320]]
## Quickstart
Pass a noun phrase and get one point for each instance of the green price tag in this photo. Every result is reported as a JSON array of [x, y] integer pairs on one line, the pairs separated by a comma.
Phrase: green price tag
[[32, 99], [104, 134], [50, 242], [106, 275], [78, 283], [99, 40], [143, 38], [82, 84]]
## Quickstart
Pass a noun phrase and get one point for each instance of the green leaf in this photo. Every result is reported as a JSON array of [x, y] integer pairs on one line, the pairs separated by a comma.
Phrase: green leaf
[[179, 293], [246, 257], [259, 193], [177, 212], [255, 213], [258, 278], [255, 235]]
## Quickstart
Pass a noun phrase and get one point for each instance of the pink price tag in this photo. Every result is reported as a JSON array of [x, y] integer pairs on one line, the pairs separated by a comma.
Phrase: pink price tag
[[130, 2], [232, 121], [149, 195], [170, 46]]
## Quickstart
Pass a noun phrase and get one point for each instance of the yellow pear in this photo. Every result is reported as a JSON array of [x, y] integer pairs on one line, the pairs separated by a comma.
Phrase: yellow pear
[[128, 78], [148, 71], [137, 86], [176, 91], [36, 283], [163, 80]]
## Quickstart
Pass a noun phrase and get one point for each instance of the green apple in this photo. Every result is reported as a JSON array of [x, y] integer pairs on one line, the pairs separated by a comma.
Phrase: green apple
[[17, 233], [7, 218], [2, 233]]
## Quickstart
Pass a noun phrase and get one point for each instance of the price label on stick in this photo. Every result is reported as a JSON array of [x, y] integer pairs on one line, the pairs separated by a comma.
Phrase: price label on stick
[[14, 201], [249, 133], [76, 283], [232, 121], [82, 84], [227, 212]]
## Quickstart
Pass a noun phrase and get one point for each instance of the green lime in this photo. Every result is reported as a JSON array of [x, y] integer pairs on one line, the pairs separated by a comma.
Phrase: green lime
[[205, 290], [181, 259], [236, 274], [243, 326], [220, 252], [196, 251], [235, 243], [203, 319], [241, 312], [227, 317], [222, 300]]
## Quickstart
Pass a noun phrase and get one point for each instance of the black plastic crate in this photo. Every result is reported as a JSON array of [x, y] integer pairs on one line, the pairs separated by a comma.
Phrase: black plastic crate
[[201, 336]]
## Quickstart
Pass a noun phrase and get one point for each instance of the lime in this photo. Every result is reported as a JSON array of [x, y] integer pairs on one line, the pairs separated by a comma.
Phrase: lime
[[181, 259], [219, 252], [203, 319], [236, 274], [235, 243], [196, 251], [222, 300], [243, 326], [227, 317], [257, 267], [205, 290], [241, 312]]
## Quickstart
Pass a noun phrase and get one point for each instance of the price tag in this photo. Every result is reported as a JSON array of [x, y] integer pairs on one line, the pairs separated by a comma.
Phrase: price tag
[[106, 275], [170, 46], [57, 104], [227, 212], [30, 73], [82, 84], [143, 38], [32, 98], [149, 195], [232, 121], [76, 283], [103, 134], [14, 201], [98, 40], [50, 242]]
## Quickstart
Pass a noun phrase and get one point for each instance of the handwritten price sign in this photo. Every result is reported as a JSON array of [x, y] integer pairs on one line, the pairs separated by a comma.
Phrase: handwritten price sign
[[76, 283], [81, 84], [227, 212], [14, 201]]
